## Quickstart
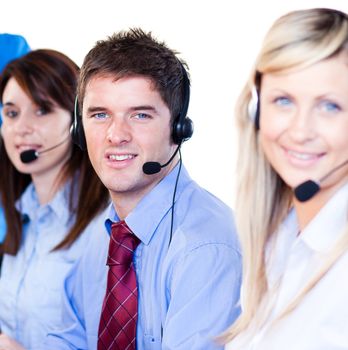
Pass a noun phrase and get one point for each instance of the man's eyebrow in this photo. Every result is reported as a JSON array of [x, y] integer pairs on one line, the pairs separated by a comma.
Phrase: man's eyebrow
[[94, 109], [143, 107]]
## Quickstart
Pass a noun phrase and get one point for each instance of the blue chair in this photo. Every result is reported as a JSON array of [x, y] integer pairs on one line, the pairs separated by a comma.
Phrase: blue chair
[[12, 46]]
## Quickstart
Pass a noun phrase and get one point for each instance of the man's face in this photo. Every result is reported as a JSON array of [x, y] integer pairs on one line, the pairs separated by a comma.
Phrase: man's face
[[126, 124]]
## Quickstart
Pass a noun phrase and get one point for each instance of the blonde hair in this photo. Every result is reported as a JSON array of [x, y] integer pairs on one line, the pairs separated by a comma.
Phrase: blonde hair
[[298, 39]]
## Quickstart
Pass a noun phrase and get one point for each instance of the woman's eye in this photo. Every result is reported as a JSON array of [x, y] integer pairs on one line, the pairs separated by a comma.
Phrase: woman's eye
[[282, 101], [10, 113], [328, 106], [42, 111]]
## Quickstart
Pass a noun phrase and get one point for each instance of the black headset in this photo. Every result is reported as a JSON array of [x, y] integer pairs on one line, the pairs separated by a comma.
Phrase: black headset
[[76, 130], [182, 129], [183, 125]]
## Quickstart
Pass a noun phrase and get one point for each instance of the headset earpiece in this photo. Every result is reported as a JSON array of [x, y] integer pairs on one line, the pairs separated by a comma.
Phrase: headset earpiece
[[182, 130], [254, 107], [182, 125], [76, 130]]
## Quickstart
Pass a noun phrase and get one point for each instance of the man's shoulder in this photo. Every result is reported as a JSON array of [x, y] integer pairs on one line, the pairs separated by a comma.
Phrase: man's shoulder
[[197, 198], [203, 217]]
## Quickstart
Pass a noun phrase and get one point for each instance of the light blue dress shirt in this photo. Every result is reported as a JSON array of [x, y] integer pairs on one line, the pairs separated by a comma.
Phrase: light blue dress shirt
[[188, 291], [31, 282]]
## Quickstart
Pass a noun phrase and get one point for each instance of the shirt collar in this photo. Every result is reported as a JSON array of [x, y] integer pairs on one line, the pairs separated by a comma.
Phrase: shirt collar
[[326, 227], [111, 217], [147, 215], [28, 204]]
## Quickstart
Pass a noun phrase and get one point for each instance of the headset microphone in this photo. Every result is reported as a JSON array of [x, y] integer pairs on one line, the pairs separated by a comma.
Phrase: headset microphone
[[31, 154], [310, 188], [151, 168]]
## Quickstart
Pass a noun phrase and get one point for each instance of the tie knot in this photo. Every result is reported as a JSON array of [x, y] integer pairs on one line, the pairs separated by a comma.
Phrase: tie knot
[[123, 243]]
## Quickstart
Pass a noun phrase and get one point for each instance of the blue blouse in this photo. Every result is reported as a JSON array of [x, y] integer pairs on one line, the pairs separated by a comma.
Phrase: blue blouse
[[31, 282]]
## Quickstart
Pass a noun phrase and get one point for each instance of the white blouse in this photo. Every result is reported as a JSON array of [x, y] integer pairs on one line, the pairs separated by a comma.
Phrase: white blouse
[[320, 321]]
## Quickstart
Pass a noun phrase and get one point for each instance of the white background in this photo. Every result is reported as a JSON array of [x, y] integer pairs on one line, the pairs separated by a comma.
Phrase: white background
[[219, 39]]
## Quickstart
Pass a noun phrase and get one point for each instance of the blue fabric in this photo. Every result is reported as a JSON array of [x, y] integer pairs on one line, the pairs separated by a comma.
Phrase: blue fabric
[[31, 282], [188, 292], [2, 224], [11, 46]]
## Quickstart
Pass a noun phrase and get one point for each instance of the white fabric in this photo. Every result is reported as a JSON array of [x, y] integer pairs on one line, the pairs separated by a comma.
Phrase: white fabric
[[320, 321]]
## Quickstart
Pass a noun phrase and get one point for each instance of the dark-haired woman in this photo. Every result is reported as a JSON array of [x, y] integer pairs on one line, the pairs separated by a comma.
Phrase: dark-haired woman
[[52, 198]]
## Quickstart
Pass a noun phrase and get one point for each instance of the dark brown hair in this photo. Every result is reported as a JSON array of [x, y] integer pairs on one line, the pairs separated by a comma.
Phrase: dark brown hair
[[49, 77], [132, 53]]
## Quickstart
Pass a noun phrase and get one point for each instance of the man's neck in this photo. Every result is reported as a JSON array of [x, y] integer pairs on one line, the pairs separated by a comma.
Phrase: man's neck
[[125, 202]]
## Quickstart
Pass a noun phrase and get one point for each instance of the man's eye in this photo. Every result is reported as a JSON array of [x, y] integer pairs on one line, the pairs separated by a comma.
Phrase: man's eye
[[100, 115], [142, 116]]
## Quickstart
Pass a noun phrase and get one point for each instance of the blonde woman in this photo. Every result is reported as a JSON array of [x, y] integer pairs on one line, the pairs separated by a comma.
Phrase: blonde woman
[[293, 121]]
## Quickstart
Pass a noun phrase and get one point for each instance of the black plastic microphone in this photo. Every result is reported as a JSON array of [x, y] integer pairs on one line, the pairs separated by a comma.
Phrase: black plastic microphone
[[310, 188], [30, 155], [150, 168]]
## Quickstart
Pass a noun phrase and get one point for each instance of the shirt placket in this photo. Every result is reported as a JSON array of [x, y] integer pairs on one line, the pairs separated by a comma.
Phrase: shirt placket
[[32, 254]]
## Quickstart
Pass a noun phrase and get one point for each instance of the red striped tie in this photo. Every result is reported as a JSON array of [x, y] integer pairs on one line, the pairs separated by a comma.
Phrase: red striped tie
[[117, 327]]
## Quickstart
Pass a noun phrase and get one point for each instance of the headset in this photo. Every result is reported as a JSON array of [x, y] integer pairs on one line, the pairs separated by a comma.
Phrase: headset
[[183, 125], [76, 130], [254, 103], [182, 128]]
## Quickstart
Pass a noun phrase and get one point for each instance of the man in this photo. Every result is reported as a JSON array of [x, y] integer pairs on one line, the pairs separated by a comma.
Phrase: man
[[133, 93]]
